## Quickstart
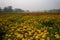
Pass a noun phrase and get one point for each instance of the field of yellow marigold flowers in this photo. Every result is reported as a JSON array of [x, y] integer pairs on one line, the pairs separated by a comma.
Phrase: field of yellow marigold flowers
[[29, 27]]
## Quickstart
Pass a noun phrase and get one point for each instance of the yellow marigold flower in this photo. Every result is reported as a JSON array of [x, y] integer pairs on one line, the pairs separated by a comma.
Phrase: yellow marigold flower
[[35, 22], [29, 33], [32, 31], [42, 39], [43, 36], [9, 39], [23, 39], [18, 35], [12, 29], [18, 29], [7, 35], [45, 31], [48, 38], [36, 36], [0, 23], [56, 33], [15, 33], [57, 36], [39, 31], [45, 28], [11, 33]]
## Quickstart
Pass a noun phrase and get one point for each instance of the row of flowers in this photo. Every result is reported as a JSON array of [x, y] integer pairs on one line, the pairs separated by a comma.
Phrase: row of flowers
[[29, 27]]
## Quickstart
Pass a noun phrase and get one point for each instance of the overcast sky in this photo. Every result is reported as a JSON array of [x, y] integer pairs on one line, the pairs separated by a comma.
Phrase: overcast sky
[[32, 5]]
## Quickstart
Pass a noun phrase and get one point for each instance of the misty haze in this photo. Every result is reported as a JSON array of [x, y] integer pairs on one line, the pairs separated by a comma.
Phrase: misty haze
[[31, 5], [29, 19]]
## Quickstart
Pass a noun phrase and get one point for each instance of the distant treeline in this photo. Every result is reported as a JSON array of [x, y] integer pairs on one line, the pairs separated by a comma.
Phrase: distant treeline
[[54, 10], [10, 9]]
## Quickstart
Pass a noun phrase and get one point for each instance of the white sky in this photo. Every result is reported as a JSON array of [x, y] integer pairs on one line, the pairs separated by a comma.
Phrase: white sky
[[32, 5]]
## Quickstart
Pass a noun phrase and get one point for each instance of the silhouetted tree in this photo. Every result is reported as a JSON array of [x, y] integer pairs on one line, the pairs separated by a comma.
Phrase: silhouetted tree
[[0, 10], [10, 9], [54, 10], [19, 10], [5, 9]]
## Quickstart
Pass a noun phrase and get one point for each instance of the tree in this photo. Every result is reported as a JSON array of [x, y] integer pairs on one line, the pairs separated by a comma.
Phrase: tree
[[0, 10], [19, 10], [5, 9], [10, 9]]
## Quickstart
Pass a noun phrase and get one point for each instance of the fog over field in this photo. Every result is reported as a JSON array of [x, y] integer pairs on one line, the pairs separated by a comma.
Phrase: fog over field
[[31, 5]]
